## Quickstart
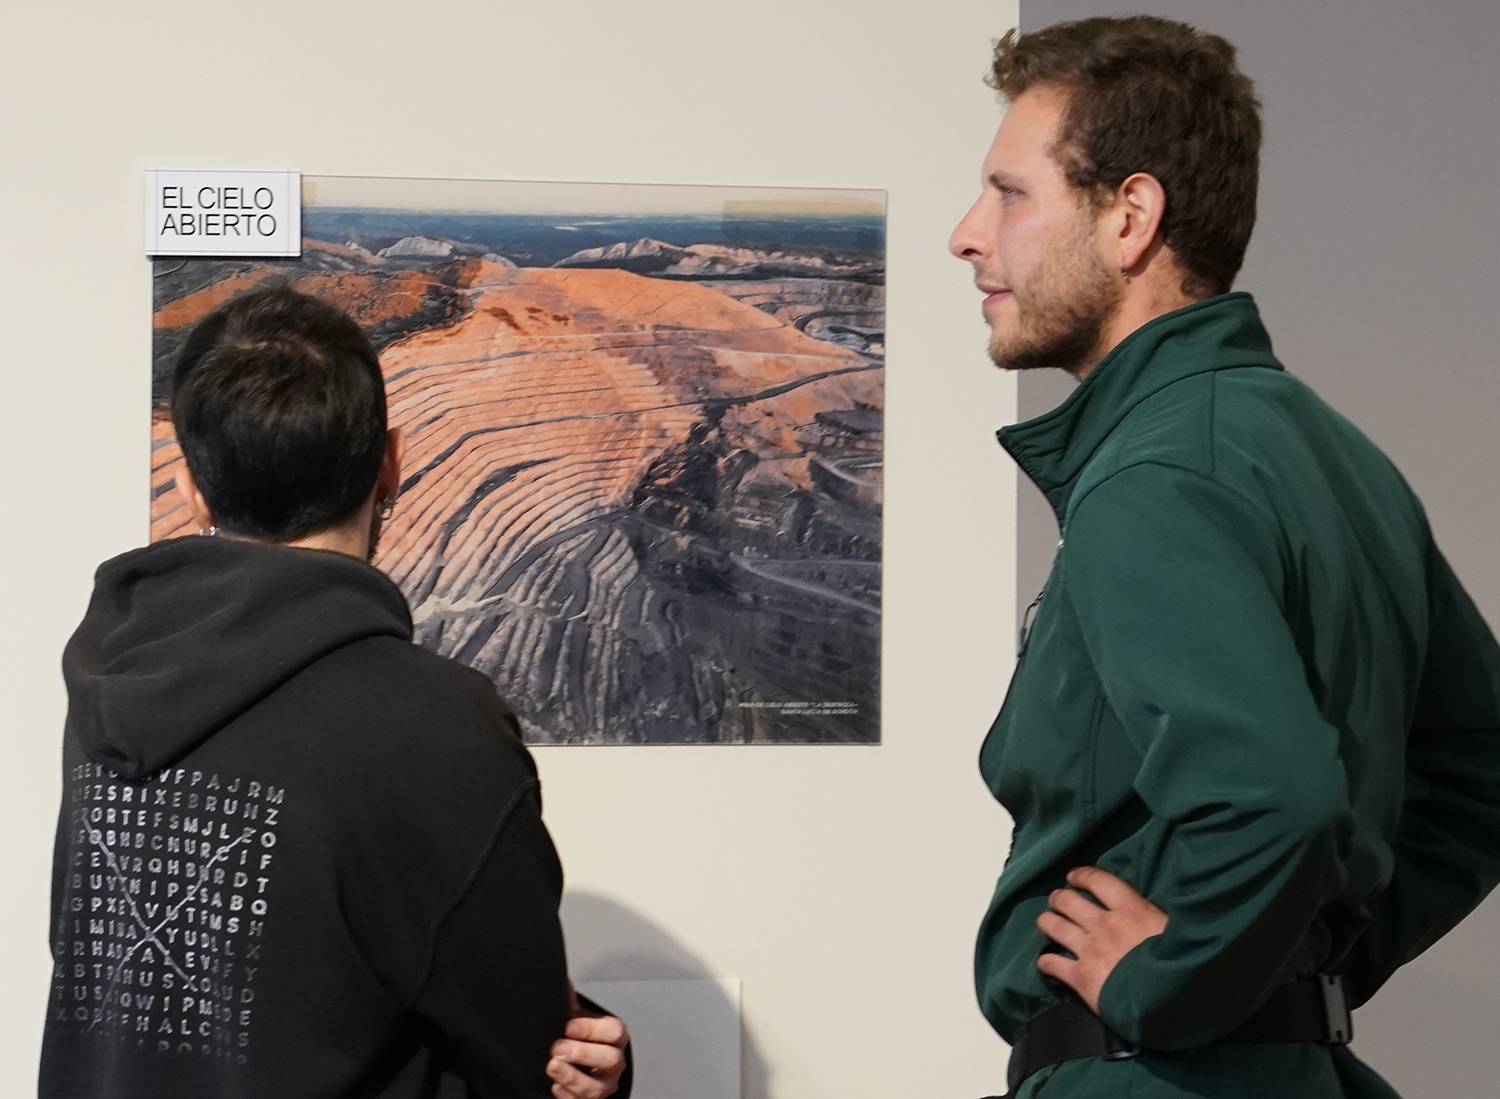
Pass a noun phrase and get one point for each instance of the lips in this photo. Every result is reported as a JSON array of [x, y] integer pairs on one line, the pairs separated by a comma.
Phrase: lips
[[993, 294]]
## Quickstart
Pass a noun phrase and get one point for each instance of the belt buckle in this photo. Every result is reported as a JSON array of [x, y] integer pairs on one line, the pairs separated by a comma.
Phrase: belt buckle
[[1336, 1009]]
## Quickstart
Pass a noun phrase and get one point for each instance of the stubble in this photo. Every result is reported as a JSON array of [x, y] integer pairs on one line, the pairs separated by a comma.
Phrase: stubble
[[1063, 310]]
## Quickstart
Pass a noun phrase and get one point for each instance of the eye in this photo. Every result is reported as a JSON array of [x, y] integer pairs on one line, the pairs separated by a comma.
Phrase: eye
[[1008, 192]]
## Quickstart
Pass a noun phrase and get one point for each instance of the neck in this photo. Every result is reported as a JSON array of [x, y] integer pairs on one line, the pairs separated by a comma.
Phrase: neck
[[340, 540], [351, 536], [1152, 289]]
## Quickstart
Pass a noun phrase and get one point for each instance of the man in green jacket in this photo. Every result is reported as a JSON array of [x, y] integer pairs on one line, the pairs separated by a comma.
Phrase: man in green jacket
[[1252, 746]]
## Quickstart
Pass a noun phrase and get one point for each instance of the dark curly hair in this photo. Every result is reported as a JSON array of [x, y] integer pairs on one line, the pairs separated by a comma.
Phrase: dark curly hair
[[1155, 96]]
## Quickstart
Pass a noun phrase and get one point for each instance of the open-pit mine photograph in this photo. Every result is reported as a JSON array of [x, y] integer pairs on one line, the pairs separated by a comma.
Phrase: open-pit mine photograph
[[644, 425]]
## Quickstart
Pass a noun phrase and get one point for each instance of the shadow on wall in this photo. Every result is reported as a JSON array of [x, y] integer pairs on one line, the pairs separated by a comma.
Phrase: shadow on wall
[[609, 942]]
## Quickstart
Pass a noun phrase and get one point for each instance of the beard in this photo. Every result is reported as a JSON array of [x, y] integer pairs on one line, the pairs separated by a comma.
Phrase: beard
[[1062, 311]]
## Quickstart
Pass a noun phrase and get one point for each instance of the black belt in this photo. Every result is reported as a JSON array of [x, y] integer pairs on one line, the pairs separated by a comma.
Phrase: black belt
[[1310, 1010]]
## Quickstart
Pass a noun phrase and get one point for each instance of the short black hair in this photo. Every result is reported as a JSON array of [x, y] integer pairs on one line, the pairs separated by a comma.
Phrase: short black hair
[[279, 407]]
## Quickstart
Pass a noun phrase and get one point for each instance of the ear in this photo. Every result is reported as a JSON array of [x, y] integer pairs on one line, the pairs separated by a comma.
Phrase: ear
[[197, 505], [1139, 206], [388, 483]]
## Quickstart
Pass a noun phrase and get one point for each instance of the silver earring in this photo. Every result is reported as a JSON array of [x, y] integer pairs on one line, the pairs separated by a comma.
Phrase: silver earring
[[1123, 275], [387, 508], [209, 533]]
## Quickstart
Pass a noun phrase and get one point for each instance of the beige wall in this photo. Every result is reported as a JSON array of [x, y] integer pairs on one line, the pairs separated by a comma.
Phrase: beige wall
[[843, 885]]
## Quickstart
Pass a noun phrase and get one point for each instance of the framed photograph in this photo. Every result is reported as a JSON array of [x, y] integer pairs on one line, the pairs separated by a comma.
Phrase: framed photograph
[[644, 433]]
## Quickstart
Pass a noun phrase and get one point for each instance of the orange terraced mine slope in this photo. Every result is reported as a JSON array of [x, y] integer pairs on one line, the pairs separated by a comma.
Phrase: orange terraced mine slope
[[647, 510]]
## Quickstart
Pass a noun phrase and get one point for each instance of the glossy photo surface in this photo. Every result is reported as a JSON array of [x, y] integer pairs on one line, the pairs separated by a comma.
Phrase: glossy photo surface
[[644, 435]]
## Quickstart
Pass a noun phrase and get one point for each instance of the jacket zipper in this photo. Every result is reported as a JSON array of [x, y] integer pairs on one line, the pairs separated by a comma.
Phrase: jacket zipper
[[1023, 637]]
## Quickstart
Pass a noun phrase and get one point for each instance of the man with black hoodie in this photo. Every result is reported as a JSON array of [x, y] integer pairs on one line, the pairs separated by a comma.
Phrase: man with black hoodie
[[298, 856]]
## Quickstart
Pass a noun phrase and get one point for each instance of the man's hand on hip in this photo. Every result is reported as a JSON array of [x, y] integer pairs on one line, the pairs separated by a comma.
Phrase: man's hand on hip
[[1097, 934], [588, 1060]]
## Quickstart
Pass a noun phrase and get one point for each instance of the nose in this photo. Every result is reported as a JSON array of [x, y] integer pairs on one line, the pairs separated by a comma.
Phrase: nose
[[966, 242]]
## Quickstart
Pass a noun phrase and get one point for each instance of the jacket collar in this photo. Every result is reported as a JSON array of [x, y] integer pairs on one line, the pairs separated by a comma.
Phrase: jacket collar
[[1220, 333]]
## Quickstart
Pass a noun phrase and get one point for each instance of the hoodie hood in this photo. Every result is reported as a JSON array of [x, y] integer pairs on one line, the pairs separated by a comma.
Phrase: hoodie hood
[[182, 637]]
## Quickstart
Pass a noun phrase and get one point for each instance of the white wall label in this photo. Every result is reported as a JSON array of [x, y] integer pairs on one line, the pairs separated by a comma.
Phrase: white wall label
[[212, 213]]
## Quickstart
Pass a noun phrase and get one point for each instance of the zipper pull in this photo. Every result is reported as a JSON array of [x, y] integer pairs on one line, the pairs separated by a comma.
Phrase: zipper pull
[[1023, 637]]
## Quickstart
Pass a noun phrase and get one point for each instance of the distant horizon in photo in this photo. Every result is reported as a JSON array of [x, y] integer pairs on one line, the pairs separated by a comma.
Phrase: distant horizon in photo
[[643, 486]]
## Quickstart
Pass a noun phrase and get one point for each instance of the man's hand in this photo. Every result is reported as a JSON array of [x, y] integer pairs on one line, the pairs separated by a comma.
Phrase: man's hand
[[1097, 937], [588, 1060]]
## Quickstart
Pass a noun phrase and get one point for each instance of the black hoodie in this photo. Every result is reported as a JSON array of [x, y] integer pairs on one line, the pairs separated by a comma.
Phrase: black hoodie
[[298, 856]]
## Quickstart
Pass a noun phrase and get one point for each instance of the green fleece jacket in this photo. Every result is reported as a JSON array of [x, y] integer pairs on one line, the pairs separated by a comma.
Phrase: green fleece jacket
[[1252, 688]]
